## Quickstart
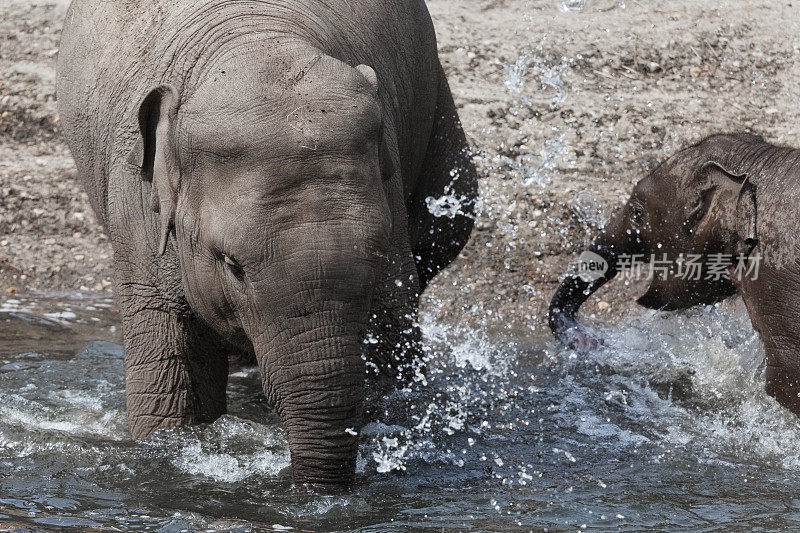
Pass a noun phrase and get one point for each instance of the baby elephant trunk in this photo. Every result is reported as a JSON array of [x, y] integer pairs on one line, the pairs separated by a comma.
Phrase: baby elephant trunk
[[320, 402], [310, 354], [596, 266], [576, 288]]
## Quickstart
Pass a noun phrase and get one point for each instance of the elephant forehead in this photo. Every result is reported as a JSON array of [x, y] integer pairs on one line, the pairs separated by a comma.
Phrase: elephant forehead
[[300, 102], [283, 125], [233, 193], [248, 226], [669, 180]]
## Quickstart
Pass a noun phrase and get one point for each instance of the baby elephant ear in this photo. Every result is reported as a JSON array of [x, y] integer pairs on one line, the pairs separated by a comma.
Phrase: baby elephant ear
[[156, 154], [387, 139], [746, 212]]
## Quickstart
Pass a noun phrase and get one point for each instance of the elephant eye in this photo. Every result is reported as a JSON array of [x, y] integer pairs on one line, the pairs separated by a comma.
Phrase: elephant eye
[[233, 266], [637, 213]]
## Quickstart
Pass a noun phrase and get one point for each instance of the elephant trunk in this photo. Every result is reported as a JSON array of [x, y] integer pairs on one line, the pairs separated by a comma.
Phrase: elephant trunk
[[310, 355], [574, 291], [313, 374], [320, 402], [618, 238]]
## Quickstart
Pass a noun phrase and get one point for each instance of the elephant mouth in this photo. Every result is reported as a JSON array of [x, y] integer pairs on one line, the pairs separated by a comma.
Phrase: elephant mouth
[[676, 298], [653, 299]]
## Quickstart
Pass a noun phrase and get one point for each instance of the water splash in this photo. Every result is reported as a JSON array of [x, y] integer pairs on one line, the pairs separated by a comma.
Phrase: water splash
[[229, 451], [504, 425], [549, 77], [696, 379], [537, 169], [449, 204], [571, 5], [590, 212]]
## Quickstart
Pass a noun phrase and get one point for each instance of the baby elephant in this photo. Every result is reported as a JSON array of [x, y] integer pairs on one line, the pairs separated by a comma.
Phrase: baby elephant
[[264, 171], [717, 218]]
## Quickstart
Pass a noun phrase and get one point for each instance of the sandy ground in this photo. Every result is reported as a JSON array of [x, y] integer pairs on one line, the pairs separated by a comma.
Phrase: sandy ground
[[565, 111]]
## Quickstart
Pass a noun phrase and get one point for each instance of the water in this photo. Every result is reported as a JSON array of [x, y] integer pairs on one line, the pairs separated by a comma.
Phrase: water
[[571, 5], [667, 426]]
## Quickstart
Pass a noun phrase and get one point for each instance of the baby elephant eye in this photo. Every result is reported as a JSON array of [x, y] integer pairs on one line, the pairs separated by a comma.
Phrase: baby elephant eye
[[234, 266], [637, 213]]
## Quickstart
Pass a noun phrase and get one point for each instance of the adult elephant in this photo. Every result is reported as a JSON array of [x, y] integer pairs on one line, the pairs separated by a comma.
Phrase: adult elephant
[[262, 170], [728, 209]]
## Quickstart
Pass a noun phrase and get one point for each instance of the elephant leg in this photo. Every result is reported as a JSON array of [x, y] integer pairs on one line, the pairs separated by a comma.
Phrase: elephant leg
[[782, 376], [176, 369], [448, 174], [772, 312], [176, 372], [394, 340]]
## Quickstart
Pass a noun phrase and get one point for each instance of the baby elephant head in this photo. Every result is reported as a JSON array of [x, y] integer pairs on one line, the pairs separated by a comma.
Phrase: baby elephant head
[[270, 185], [687, 226]]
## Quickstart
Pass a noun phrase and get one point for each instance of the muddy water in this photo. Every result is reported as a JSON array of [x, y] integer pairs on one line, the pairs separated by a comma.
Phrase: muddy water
[[665, 427]]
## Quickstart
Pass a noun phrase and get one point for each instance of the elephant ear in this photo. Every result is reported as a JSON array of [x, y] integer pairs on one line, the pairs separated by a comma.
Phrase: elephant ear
[[746, 216], [387, 133], [155, 154]]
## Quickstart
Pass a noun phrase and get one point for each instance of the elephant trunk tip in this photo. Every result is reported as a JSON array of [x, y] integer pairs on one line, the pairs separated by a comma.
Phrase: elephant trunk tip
[[565, 303], [323, 439], [329, 467], [563, 309], [559, 320]]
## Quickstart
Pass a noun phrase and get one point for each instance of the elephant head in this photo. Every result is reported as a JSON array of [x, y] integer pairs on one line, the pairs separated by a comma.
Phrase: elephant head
[[698, 204], [269, 178]]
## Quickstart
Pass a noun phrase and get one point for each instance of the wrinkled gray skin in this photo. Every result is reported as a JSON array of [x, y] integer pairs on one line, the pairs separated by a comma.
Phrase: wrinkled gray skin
[[261, 167], [729, 194]]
